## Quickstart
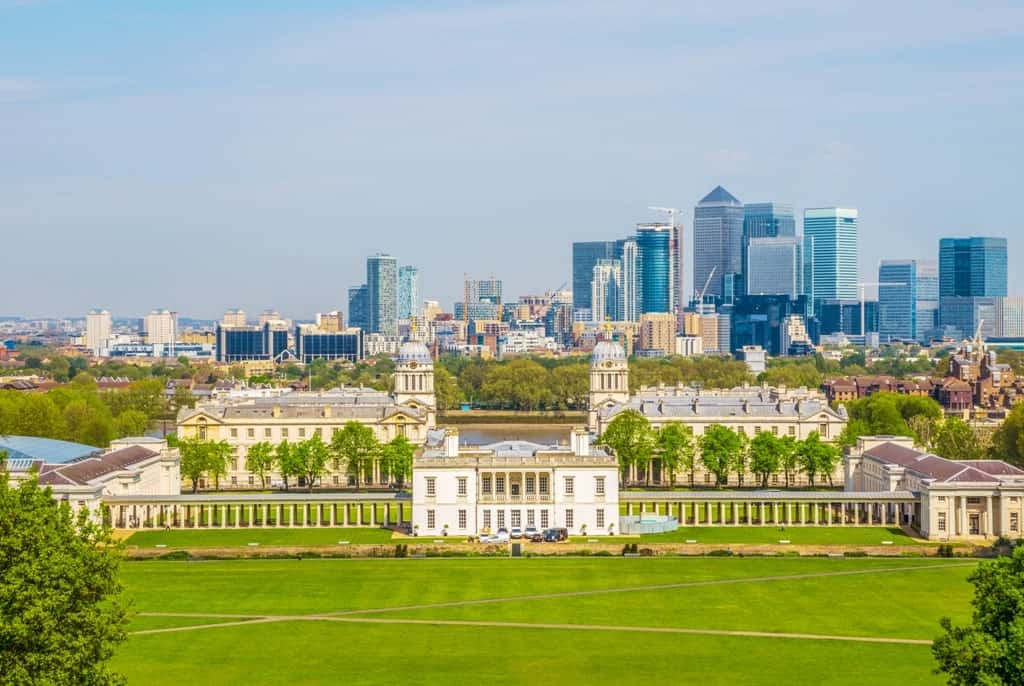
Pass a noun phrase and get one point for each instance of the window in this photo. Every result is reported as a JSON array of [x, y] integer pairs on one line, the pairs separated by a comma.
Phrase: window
[[600, 519], [486, 484], [543, 519], [974, 501], [501, 519], [791, 430], [568, 519], [543, 482], [319, 431], [531, 518], [266, 432], [757, 429], [462, 485], [775, 479], [517, 518], [234, 465], [234, 481], [942, 521], [462, 519], [707, 477], [251, 433], [942, 498], [302, 432], [284, 432], [431, 486], [234, 433], [1014, 521], [599, 485], [775, 431], [530, 484], [201, 429], [487, 519], [823, 429], [569, 485], [252, 480], [431, 519], [742, 430], [337, 480], [499, 485], [335, 464]]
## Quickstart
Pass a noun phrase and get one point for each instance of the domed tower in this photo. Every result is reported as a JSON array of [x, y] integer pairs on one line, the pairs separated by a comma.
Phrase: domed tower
[[414, 377], [609, 379]]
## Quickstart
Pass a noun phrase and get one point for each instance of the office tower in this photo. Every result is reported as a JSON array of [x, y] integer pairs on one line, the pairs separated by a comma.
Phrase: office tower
[[234, 318], [657, 268], [897, 300], [843, 316], [242, 342], [764, 220], [606, 291], [358, 308], [717, 242], [972, 275], [484, 290], [161, 329], [431, 310], [382, 294], [330, 322], [774, 266], [98, 326], [830, 250], [760, 320], [584, 256], [409, 304], [927, 299], [630, 261], [658, 332], [312, 343], [1010, 316]]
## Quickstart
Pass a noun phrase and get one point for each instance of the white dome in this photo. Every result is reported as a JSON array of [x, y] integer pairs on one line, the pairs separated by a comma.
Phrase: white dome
[[414, 351], [607, 350]]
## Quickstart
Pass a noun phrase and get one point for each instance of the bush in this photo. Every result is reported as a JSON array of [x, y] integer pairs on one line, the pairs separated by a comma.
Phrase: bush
[[720, 553], [402, 550], [944, 550]]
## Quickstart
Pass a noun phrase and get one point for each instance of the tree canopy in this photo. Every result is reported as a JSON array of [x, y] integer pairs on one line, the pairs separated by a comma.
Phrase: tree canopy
[[720, 448], [632, 439]]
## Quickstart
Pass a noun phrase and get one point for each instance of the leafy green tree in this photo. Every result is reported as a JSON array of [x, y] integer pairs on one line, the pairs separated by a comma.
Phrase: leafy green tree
[[61, 611], [956, 440], [521, 383], [789, 460], [765, 456], [193, 459], [1008, 439], [182, 398], [632, 439], [446, 390], [817, 457], [396, 458], [288, 462], [312, 455], [719, 447], [218, 454], [131, 423], [357, 446], [783, 371], [259, 460], [990, 650], [676, 449], [570, 385], [741, 460]]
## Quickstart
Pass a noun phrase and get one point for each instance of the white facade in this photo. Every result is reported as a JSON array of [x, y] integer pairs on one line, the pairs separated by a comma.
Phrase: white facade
[[689, 346], [160, 328], [98, 325], [465, 491]]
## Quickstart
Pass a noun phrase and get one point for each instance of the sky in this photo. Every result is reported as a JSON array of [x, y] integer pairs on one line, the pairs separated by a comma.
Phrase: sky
[[202, 156]]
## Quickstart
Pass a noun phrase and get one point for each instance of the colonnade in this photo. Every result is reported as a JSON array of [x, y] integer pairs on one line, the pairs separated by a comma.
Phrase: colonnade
[[748, 511]]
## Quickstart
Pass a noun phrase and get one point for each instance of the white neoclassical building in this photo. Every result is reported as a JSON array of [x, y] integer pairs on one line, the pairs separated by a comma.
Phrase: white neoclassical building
[[463, 491], [955, 499], [410, 411]]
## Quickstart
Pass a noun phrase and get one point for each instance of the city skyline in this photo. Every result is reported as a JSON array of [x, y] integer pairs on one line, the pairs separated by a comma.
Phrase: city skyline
[[261, 140]]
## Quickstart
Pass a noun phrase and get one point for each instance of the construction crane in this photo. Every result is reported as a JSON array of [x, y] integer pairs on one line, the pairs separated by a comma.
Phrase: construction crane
[[670, 211], [978, 342], [700, 298], [861, 285]]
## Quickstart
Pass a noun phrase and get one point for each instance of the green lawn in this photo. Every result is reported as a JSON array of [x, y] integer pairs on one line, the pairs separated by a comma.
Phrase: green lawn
[[807, 535], [901, 598], [230, 538]]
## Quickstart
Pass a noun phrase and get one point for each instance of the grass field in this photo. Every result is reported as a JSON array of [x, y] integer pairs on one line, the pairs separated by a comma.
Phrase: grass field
[[231, 538], [600, 620], [797, 535]]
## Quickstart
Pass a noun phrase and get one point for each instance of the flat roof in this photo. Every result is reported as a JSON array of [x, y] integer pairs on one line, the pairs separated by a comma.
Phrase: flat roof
[[48, 450]]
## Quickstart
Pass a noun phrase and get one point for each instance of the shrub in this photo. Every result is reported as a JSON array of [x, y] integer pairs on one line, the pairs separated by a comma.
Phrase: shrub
[[944, 550], [720, 553]]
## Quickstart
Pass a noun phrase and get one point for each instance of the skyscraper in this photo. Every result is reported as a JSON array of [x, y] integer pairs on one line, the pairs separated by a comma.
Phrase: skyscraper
[[98, 325], [409, 305], [657, 267], [764, 220], [358, 308], [972, 276], [927, 299], [897, 301], [161, 330], [630, 261], [774, 266], [382, 294], [830, 253], [717, 241], [606, 291], [585, 255]]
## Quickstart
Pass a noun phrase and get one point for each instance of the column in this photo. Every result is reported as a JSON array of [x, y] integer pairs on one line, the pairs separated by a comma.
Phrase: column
[[775, 514], [252, 515], [870, 507], [721, 513], [828, 514], [344, 514], [266, 511], [238, 516], [334, 513], [735, 513], [963, 515]]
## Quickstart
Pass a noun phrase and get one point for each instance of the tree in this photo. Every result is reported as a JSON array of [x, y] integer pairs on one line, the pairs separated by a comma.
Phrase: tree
[[1008, 439], [676, 449], [131, 423], [446, 390], [956, 440], [194, 459], [217, 457], [570, 384], [259, 460], [632, 439], [287, 461], [60, 591], [988, 651], [311, 457], [182, 397], [817, 457], [765, 456], [357, 446], [788, 457], [742, 458], [718, 449], [396, 458]]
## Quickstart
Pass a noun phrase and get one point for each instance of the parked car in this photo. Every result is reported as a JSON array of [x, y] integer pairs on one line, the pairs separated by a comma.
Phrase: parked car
[[530, 533], [516, 532], [556, 535], [502, 536], [488, 538]]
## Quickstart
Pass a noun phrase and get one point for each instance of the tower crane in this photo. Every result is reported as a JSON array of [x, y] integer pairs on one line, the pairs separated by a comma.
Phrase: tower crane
[[700, 298], [670, 211]]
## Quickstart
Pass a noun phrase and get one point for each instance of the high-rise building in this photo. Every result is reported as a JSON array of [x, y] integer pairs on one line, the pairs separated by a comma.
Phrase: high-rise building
[[234, 318], [161, 329], [972, 275], [764, 220], [897, 300], [927, 299], [657, 267], [717, 242], [312, 343], [358, 307], [830, 253], [330, 322], [409, 304], [606, 291], [585, 255], [658, 332], [382, 294], [241, 343], [630, 261], [843, 316], [1010, 315], [774, 266], [98, 326], [270, 317]]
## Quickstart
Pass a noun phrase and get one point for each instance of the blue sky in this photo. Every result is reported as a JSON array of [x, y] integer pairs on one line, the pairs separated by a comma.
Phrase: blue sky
[[200, 156]]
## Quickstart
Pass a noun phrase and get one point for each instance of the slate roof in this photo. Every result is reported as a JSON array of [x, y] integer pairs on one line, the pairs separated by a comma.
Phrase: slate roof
[[82, 472], [694, 405], [941, 470]]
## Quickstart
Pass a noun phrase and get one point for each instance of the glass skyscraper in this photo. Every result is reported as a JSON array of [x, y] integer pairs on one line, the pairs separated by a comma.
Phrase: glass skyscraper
[[717, 241], [585, 255], [357, 308], [657, 268], [409, 304], [606, 291], [774, 266], [927, 299], [972, 276], [382, 294], [897, 302], [830, 253], [764, 220]]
